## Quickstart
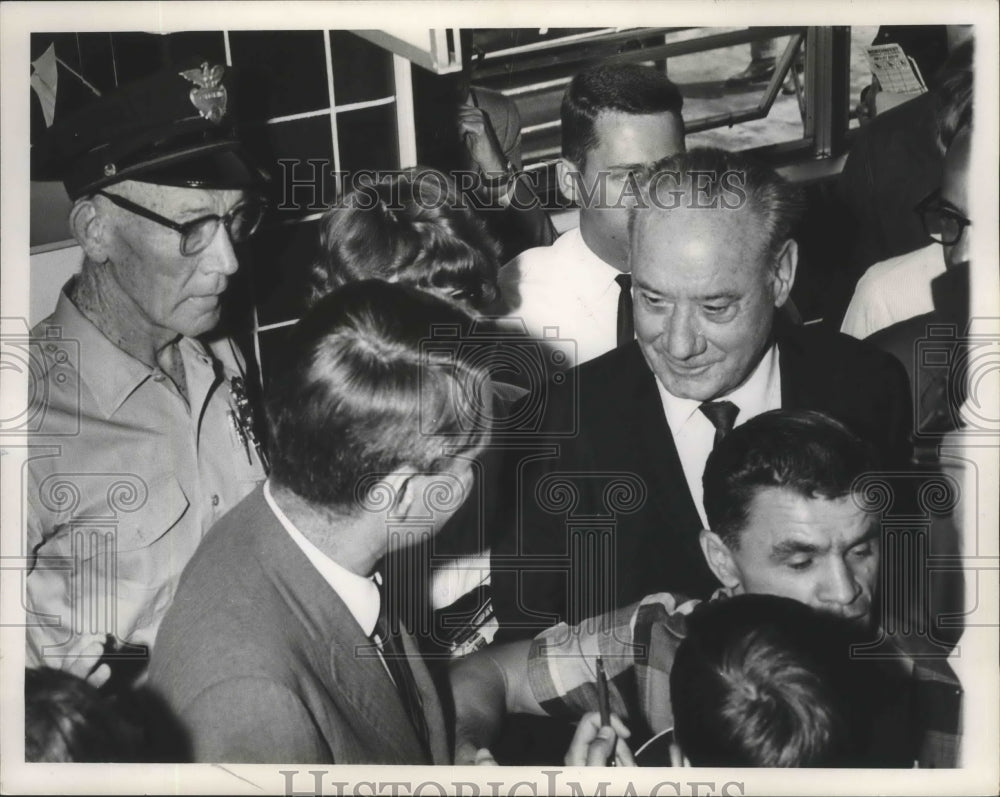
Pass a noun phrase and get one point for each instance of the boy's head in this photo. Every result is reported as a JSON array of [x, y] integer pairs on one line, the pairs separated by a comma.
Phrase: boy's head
[[66, 719], [767, 681]]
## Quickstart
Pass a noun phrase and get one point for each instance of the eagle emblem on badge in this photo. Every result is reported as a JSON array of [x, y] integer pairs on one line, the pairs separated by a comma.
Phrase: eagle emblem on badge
[[209, 95]]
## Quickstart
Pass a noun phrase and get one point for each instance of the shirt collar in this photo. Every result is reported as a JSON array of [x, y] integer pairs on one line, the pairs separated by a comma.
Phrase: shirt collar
[[110, 374], [359, 594], [592, 274], [759, 393]]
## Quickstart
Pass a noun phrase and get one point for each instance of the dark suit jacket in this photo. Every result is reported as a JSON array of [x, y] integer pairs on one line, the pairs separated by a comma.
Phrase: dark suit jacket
[[894, 163], [263, 663], [609, 518]]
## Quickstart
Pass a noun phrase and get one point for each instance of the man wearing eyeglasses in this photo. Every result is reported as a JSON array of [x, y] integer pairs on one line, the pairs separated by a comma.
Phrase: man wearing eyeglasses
[[936, 361], [939, 391], [901, 287], [145, 437]]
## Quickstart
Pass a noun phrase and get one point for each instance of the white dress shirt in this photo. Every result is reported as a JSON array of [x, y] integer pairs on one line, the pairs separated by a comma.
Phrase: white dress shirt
[[359, 594], [893, 290], [693, 432], [565, 292]]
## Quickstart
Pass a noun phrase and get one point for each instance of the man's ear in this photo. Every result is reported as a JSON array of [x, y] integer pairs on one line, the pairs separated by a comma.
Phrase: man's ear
[[89, 227], [567, 175], [784, 272], [394, 493], [719, 558]]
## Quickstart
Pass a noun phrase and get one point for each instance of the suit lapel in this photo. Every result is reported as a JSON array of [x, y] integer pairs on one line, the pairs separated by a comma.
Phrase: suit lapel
[[437, 734], [359, 677], [352, 672], [652, 436], [795, 368]]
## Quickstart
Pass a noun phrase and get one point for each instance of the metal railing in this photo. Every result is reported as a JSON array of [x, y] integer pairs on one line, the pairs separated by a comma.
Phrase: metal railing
[[821, 89]]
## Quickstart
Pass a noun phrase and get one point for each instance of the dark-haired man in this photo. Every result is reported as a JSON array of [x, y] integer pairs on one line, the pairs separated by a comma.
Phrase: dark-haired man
[[278, 646], [786, 516], [712, 260], [145, 440], [617, 120]]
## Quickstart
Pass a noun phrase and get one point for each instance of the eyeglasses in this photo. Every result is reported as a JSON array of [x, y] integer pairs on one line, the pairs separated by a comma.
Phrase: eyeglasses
[[942, 222], [241, 222]]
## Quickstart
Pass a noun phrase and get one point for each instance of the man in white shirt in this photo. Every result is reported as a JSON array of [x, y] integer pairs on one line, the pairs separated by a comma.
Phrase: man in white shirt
[[900, 288], [617, 120], [279, 645], [613, 513], [892, 291]]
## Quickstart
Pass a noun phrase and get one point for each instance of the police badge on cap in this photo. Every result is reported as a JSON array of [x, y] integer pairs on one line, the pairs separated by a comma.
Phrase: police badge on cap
[[176, 127], [209, 97]]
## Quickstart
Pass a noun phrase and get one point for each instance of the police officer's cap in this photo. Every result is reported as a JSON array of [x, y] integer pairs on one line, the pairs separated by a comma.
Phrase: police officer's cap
[[174, 128]]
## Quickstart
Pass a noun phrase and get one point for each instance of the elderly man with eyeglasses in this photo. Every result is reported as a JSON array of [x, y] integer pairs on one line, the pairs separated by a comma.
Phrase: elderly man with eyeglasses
[[145, 437]]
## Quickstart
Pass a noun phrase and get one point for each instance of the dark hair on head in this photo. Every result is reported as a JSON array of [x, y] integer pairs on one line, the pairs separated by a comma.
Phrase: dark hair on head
[[415, 229], [67, 719], [800, 450], [764, 681], [953, 95], [619, 88], [712, 178], [375, 377]]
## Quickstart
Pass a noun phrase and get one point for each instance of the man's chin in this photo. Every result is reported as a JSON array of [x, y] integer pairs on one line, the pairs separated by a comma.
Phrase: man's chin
[[199, 325], [694, 384], [863, 622]]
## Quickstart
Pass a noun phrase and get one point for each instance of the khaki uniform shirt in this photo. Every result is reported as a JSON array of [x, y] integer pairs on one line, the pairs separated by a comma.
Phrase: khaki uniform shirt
[[123, 480]]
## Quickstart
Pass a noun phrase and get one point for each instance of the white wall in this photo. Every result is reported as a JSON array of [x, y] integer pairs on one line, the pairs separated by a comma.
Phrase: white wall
[[49, 272]]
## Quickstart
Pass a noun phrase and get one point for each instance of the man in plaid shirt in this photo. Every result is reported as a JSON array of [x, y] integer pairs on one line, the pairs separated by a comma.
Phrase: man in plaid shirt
[[785, 520]]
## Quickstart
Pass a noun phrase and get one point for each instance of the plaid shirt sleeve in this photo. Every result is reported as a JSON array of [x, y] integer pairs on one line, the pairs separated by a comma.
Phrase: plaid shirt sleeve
[[636, 643], [938, 707], [936, 697]]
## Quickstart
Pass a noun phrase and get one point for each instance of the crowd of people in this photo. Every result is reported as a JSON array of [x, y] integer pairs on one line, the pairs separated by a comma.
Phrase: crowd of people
[[666, 528]]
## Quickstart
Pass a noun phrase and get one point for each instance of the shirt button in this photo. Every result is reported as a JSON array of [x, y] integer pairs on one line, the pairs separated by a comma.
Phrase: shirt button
[[159, 376], [215, 500]]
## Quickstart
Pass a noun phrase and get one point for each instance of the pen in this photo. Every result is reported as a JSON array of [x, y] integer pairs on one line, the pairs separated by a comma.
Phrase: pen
[[604, 702]]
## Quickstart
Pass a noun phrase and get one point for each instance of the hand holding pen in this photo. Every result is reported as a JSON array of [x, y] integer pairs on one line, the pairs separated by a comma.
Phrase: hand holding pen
[[604, 704], [600, 736]]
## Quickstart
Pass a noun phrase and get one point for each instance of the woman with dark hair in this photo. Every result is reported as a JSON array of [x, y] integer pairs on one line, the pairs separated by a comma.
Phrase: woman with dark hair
[[417, 229]]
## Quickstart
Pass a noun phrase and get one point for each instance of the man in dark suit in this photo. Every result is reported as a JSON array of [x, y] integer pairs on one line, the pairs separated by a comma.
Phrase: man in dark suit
[[790, 514], [277, 647], [613, 512]]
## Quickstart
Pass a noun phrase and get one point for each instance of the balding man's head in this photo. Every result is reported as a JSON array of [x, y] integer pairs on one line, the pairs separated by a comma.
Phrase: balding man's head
[[711, 258]]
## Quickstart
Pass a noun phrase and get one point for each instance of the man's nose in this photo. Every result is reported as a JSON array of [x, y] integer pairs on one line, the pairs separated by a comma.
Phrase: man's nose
[[220, 257], [839, 586], [684, 338], [957, 253]]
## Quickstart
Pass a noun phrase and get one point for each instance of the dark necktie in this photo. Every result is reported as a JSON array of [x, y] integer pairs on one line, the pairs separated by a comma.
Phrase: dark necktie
[[626, 330], [722, 414], [386, 637]]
